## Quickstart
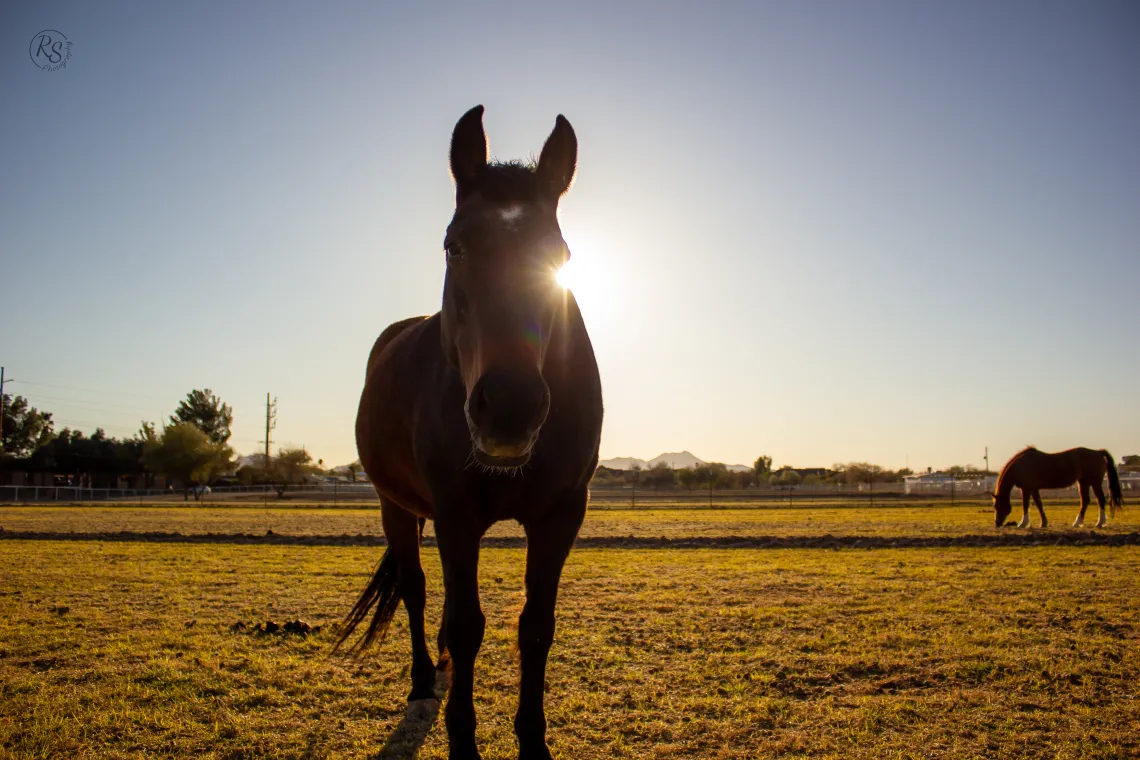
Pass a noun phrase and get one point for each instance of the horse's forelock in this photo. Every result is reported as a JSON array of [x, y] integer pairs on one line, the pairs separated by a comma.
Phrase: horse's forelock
[[511, 182]]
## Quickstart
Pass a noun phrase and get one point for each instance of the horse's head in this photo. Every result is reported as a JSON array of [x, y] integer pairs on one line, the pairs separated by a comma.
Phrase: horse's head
[[1002, 508], [500, 298]]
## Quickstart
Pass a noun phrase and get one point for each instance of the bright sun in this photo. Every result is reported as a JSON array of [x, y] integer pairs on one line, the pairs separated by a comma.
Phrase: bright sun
[[592, 279], [568, 276]]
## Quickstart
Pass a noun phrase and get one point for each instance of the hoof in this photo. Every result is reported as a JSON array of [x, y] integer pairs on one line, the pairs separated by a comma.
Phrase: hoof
[[442, 683], [423, 710]]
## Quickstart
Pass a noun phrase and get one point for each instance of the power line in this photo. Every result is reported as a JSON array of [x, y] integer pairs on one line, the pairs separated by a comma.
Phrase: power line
[[69, 423], [76, 388], [82, 402]]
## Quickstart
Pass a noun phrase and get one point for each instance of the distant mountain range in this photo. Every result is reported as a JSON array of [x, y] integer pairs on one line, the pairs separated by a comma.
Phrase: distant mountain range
[[676, 460]]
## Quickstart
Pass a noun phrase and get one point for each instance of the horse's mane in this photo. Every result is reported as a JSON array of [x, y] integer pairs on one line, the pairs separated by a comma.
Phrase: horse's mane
[[1005, 470]]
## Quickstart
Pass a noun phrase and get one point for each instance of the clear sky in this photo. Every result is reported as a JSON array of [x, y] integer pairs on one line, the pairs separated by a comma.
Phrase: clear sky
[[831, 231]]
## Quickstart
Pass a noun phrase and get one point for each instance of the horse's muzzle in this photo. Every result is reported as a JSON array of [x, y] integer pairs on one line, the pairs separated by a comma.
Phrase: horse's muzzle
[[505, 411], [493, 455]]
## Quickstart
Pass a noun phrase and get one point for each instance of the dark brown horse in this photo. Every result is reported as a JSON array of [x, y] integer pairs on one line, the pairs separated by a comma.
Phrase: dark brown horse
[[489, 410], [1031, 470]]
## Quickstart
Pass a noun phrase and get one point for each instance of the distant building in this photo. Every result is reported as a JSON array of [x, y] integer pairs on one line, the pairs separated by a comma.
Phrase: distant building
[[1130, 480], [944, 482]]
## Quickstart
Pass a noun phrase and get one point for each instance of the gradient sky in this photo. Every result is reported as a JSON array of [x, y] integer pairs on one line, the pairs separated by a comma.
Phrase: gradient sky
[[831, 231]]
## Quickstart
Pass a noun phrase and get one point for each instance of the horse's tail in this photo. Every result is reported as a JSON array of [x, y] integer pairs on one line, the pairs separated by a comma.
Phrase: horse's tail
[[1116, 497], [381, 591]]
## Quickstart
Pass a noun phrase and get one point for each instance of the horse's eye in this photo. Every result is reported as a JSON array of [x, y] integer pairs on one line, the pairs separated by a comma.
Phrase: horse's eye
[[454, 252]]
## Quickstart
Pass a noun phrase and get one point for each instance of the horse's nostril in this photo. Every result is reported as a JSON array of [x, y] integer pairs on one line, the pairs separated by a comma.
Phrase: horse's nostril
[[483, 402], [509, 404], [480, 404]]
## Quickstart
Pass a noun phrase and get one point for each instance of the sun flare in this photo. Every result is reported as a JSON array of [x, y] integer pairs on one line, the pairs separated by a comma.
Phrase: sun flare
[[595, 283], [568, 276]]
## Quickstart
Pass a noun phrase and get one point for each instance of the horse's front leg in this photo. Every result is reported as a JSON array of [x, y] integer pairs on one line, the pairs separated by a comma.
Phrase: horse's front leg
[[548, 543], [1098, 491], [1083, 493], [463, 629], [1024, 509], [1040, 510]]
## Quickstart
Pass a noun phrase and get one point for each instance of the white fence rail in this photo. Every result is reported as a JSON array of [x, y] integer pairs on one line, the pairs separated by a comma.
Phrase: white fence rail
[[75, 493]]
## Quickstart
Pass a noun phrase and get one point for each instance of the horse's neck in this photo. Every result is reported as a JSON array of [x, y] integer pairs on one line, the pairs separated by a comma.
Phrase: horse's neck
[[570, 352], [1005, 481]]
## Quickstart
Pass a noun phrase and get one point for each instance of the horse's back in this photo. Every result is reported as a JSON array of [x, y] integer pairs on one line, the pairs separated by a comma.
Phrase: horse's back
[[390, 333], [1036, 469], [381, 428]]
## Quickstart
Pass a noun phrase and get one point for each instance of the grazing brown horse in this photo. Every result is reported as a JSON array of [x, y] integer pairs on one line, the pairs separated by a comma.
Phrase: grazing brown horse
[[1031, 470], [489, 410]]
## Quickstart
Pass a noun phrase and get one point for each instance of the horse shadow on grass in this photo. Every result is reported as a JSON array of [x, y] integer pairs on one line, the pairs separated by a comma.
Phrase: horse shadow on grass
[[405, 742]]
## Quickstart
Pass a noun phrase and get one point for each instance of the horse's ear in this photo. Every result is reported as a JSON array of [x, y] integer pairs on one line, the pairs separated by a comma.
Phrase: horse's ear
[[468, 150], [558, 159]]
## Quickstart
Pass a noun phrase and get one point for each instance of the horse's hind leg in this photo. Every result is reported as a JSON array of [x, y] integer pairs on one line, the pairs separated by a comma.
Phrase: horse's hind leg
[[1041, 511], [1098, 490], [441, 641], [402, 530], [1024, 509]]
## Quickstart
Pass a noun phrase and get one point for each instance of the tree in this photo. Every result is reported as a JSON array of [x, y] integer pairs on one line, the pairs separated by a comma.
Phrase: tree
[[24, 427], [290, 467], [1130, 462], [254, 471], [607, 476], [785, 476], [354, 468], [187, 453], [659, 475], [97, 462], [761, 467], [862, 472], [205, 411], [688, 477], [704, 475], [720, 476]]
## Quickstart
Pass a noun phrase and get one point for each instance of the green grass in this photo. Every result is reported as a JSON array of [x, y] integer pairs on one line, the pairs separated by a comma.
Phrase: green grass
[[1027, 652]]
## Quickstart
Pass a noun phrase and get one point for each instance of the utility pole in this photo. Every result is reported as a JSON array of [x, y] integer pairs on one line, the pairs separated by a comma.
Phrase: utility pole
[[2, 382], [270, 423], [987, 460]]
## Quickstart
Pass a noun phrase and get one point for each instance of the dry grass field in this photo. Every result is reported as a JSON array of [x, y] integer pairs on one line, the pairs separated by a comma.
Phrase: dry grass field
[[124, 649], [857, 520]]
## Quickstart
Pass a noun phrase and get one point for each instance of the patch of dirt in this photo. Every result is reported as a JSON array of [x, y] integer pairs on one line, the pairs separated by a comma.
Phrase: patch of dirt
[[270, 627]]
